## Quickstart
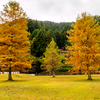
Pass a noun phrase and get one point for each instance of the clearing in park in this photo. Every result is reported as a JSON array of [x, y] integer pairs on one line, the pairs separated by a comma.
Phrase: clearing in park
[[68, 87]]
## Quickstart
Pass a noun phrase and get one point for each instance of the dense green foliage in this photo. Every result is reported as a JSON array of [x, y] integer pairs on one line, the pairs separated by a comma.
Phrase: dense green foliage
[[42, 33], [57, 30]]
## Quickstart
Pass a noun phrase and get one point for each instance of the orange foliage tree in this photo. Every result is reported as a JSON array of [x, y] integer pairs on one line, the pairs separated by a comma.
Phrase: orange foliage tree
[[14, 43], [85, 49]]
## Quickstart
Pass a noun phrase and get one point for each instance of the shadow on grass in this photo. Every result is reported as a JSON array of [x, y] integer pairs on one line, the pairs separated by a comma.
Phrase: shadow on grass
[[15, 81], [19, 76], [86, 80]]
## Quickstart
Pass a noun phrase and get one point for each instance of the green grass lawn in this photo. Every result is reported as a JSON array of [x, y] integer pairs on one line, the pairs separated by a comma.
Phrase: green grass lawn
[[68, 87]]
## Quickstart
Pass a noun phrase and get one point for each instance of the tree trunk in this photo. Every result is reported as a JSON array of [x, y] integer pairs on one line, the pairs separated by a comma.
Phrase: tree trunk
[[49, 73], [53, 74], [9, 75], [89, 76]]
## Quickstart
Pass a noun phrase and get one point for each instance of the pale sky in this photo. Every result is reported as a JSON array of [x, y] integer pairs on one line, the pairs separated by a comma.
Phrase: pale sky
[[56, 10]]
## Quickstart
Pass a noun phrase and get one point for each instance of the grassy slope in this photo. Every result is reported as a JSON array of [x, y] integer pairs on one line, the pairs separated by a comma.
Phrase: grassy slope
[[70, 87]]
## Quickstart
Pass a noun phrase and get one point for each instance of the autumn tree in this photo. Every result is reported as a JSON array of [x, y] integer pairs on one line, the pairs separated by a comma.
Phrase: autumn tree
[[85, 50], [52, 59], [14, 43]]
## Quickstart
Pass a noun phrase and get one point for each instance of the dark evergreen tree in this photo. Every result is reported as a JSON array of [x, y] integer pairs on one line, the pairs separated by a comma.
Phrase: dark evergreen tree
[[41, 24], [30, 25], [48, 37], [36, 24], [38, 46], [58, 38], [34, 33]]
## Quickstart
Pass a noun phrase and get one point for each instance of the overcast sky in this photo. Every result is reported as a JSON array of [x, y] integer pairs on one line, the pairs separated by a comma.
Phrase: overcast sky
[[57, 10]]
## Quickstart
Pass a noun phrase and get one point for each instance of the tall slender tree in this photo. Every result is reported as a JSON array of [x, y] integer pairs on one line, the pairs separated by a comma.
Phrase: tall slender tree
[[14, 43], [85, 50]]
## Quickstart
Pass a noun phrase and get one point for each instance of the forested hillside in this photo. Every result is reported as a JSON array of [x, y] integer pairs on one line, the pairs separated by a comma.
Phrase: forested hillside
[[42, 33]]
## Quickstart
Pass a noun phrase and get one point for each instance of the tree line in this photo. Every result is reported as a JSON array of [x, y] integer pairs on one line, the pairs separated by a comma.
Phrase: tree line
[[25, 42], [41, 35]]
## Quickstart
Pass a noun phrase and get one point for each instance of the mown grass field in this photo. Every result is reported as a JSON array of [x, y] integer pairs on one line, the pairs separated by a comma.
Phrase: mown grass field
[[68, 87]]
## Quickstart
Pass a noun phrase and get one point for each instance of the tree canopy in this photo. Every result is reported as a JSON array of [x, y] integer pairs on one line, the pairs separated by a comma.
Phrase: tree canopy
[[14, 43], [85, 49]]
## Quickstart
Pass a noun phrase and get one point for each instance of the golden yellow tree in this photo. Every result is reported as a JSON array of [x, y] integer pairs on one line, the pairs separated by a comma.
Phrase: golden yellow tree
[[52, 59], [85, 49], [14, 43]]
